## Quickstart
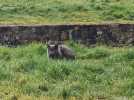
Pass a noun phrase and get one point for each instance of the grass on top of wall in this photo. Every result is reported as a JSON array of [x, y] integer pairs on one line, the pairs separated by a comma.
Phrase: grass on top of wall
[[66, 11]]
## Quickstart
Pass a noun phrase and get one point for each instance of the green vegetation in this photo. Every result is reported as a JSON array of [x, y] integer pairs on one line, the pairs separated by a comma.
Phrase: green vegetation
[[100, 72], [97, 73], [66, 11]]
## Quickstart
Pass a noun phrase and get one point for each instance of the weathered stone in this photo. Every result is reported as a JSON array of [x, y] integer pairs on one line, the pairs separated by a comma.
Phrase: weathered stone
[[88, 34]]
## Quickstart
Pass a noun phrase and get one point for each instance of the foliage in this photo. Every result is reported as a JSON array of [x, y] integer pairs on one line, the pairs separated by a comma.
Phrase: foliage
[[100, 72], [65, 11]]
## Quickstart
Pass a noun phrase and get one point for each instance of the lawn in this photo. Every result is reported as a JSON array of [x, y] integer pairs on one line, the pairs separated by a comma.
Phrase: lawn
[[100, 72], [66, 11], [97, 73]]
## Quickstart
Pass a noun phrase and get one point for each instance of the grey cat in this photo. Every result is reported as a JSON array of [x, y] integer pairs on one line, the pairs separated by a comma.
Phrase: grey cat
[[59, 50]]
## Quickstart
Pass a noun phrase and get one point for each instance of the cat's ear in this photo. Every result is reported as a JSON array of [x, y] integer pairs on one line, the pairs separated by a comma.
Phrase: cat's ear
[[48, 43]]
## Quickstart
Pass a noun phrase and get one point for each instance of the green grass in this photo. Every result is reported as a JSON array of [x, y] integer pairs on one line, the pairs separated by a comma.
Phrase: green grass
[[66, 11], [100, 72]]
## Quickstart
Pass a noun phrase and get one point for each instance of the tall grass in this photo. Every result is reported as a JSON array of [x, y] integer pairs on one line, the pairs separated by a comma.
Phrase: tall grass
[[100, 72], [65, 11]]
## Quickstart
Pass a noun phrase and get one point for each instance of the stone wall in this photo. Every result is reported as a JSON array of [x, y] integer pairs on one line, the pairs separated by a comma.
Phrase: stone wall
[[110, 34]]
